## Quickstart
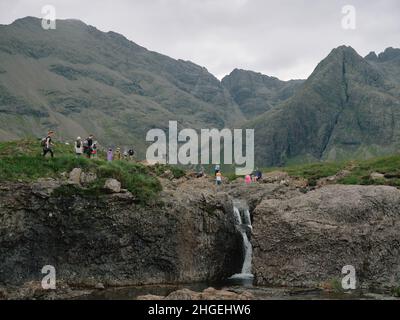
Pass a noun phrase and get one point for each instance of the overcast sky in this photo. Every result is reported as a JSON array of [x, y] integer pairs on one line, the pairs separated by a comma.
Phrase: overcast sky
[[283, 38]]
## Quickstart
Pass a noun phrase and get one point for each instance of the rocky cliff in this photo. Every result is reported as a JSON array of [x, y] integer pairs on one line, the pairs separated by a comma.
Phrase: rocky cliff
[[305, 241], [302, 236], [110, 239]]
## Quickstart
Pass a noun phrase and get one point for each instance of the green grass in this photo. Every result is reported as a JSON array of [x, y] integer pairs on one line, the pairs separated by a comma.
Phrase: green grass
[[360, 171], [21, 161], [312, 172], [396, 292], [389, 166]]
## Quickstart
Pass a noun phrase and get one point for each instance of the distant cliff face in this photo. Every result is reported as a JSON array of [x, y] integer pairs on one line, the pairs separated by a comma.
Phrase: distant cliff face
[[256, 93], [348, 108], [78, 80]]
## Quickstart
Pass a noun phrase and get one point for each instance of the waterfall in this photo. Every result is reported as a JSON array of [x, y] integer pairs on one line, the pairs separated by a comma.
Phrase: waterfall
[[238, 218], [243, 224]]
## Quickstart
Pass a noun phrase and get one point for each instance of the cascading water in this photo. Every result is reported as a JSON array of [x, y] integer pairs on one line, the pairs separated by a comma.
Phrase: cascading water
[[243, 225]]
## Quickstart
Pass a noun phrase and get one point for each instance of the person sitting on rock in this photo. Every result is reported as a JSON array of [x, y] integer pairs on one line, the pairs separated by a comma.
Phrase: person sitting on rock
[[200, 172], [247, 179], [258, 175]]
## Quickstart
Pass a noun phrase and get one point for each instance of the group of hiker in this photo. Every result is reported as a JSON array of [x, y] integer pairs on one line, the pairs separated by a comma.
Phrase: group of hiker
[[87, 147], [127, 155], [255, 176]]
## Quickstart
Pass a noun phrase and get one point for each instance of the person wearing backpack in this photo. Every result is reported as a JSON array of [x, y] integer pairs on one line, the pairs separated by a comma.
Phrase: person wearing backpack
[[47, 144], [131, 153], [87, 146], [94, 149], [78, 147]]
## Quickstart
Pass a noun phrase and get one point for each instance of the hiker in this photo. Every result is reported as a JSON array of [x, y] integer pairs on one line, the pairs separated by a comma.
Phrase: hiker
[[247, 179], [217, 169], [47, 144], [110, 155], [258, 175], [131, 153], [200, 172], [117, 154], [218, 178], [78, 147], [125, 154], [87, 146], [94, 149]]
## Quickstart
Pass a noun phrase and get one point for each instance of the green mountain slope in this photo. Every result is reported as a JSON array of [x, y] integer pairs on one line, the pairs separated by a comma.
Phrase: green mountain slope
[[348, 108], [79, 80]]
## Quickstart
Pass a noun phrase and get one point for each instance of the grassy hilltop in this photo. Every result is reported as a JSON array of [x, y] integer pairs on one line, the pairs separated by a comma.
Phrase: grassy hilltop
[[22, 161]]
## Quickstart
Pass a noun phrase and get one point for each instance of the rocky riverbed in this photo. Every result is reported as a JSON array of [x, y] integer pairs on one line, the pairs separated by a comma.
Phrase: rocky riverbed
[[302, 237]]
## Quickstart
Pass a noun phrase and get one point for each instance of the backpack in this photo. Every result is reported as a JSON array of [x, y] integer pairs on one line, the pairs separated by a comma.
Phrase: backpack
[[43, 142], [85, 144], [78, 143], [131, 152]]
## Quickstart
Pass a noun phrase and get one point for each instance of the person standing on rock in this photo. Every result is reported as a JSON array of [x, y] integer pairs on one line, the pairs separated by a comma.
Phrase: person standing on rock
[[110, 155], [131, 154], [94, 149], [217, 169], [117, 154], [78, 147], [47, 144], [218, 178]]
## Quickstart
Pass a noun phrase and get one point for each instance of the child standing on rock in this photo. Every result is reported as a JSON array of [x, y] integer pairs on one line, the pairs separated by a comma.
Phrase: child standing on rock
[[218, 178]]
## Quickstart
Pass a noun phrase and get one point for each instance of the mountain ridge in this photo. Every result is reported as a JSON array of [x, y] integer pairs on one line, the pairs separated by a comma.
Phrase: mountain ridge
[[80, 80]]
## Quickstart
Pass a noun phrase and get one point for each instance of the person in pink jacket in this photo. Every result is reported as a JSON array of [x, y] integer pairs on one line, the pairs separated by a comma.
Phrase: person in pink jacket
[[247, 179]]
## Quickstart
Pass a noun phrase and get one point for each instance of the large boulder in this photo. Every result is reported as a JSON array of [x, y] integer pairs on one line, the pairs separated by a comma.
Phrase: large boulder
[[307, 240], [112, 186], [75, 175], [189, 236]]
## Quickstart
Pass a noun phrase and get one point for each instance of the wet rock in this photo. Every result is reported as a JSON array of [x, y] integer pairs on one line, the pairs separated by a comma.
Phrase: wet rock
[[207, 294], [99, 286], [112, 186]]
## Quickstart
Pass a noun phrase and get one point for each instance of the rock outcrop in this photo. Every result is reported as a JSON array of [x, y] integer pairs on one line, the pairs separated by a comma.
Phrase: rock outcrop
[[207, 294], [110, 239], [305, 241]]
